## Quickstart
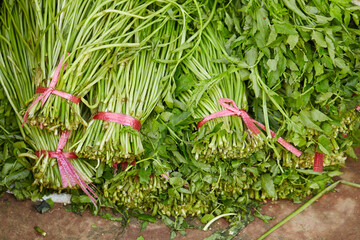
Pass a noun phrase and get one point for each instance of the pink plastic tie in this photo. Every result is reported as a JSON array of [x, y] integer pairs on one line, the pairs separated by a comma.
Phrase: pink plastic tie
[[119, 118], [46, 91], [318, 161], [69, 174], [249, 122]]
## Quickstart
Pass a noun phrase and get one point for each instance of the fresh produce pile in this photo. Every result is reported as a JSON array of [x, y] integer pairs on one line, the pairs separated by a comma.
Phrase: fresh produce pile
[[178, 107]]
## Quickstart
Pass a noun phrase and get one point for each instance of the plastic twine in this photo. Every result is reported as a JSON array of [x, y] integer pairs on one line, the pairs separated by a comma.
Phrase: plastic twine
[[46, 91], [119, 118], [69, 174], [249, 122], [318, 161]]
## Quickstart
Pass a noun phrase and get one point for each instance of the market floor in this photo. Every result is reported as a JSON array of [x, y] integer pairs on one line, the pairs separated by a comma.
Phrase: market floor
[[334, 216]]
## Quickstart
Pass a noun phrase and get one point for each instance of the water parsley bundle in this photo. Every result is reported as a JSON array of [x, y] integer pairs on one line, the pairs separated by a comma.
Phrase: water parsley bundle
[[129, 92]]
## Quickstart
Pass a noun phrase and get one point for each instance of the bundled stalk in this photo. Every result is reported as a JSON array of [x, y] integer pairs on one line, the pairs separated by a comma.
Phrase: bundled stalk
[[225, 137], [131, 90]]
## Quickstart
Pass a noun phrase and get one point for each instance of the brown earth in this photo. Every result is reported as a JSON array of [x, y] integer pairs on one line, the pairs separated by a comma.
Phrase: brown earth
[[334, 216]]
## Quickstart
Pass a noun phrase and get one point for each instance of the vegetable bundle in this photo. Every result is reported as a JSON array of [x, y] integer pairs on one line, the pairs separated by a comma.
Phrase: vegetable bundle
[[132, 87]]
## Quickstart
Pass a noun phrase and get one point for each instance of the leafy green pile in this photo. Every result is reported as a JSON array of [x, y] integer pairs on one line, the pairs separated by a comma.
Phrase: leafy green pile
[[293, 66]]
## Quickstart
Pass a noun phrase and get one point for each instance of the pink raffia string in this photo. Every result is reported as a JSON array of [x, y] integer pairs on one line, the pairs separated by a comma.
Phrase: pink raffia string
[[166, 175], [357, 108], [115, 167], [69, 174], [46, 91], [318, 161], [249, 122], [119, 118]]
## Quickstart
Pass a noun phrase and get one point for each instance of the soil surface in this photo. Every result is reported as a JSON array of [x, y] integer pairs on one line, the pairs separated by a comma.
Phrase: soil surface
[[334, 216]]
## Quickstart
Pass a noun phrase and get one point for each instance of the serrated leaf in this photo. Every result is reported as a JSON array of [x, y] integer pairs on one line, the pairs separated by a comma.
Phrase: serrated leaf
[[325, 144], [292, 40], [272, 64], [285, 28], [318, 37], [305, 119], [177, 181], [319, 116], [267, 185], [206, 218], [251, 56]]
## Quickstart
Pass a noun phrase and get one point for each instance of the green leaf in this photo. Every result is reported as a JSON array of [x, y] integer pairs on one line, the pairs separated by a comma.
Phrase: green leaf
[[251, 56], [206, 218], [334, 173], [144, 174], [140, 238], [308, 172], [267, 185], [144, 225], [319, 116], [177, 182], [272, 35], [253, 170], [325, 144], [178, 118], [100, 170], [272, 64], [184, 190], [229, 21], [19, 145], [165, 116], [323, 97], [319, 69], [179, 157], [285, 28], [314, 186], [351, 153], [319, 39], [111, 217], [145, 217], [305, 119], [265, 218], [292, 40], [184, 83], [50, 202]]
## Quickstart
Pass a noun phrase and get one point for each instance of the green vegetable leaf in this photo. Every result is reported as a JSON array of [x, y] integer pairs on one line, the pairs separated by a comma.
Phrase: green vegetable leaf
[[325, 144], [267, 185], [319, 39], [319, 116], [206, 218], [144, 225], [305, 119]]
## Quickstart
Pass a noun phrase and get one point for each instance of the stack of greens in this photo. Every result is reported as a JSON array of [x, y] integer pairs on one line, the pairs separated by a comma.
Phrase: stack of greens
[[133, 86]]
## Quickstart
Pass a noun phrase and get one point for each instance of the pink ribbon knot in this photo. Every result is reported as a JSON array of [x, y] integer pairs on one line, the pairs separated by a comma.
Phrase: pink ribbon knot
[[46, 91], [249, 122], [69, 174]]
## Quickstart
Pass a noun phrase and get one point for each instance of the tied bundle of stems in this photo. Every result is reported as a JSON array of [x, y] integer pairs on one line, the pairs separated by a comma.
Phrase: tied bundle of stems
[[46, 171], [225, 137], [89, 38], [133, 86], [16, 68]]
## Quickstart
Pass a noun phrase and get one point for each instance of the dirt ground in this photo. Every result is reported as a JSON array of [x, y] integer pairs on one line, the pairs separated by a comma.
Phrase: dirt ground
[[335, 216]]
